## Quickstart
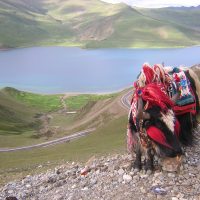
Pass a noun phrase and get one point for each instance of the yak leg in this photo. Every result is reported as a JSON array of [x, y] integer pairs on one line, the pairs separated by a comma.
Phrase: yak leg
[[134, 147], [148, 165], [137, 163]]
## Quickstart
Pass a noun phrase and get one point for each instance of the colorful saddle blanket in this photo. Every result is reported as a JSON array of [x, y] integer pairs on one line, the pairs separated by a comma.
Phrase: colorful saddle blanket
[[182, 86]]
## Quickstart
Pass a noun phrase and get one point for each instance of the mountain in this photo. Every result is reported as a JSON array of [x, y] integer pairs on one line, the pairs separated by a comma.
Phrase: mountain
[[92, 23]]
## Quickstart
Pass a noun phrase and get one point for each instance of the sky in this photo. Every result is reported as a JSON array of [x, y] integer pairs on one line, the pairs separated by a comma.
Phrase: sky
[[156, 3]]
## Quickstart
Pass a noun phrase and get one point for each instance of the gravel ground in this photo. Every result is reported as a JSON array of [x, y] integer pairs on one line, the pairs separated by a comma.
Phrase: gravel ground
[[111, 177]]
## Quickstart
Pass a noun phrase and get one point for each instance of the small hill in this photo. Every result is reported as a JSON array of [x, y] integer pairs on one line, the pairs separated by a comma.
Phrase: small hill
[[93, 23], [15, 116]]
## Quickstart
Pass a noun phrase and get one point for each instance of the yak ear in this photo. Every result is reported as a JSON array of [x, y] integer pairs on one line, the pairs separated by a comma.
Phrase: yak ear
[[141, 80], [139, 75]]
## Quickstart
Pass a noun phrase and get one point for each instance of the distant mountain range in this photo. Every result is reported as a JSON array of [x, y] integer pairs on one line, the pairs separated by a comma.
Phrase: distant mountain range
[[95, 24]]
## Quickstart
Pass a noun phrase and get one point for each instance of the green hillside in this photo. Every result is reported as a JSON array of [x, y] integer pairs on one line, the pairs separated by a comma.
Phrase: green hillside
[[94, 24], [26, 118], [15, 117], [20, 115]]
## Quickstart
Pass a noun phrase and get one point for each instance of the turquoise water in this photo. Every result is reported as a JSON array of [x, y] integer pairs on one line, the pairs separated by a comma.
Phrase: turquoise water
[[62, 69]]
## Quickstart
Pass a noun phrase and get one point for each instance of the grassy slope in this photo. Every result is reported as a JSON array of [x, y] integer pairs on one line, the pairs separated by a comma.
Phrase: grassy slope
[[78, 102], [18, 122], [180, 16], [92, 23], [184, 20], [15, 117], [42, 103], [108, 138], [26, 24]]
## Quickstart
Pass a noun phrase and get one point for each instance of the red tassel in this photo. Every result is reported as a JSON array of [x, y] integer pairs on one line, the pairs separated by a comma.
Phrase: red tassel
[[149, 73], [158, 136], [155, 95]]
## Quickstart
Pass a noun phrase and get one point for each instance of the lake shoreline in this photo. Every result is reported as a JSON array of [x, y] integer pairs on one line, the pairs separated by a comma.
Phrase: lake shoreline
[[70, 93], [83, 48], [5, 49]]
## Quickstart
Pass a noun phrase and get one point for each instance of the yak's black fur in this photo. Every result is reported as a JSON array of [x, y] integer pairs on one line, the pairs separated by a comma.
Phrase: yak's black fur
[[171, 138]]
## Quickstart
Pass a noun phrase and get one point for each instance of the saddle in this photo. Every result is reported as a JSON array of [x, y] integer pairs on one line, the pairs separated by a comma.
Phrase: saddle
[[181, 84]]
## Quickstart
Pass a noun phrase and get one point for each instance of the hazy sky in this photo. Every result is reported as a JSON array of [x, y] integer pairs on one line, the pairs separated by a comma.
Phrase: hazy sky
[[157, 3]]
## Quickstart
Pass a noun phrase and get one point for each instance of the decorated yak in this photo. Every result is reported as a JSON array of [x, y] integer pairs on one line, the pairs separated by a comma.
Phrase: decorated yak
[[160, 101]]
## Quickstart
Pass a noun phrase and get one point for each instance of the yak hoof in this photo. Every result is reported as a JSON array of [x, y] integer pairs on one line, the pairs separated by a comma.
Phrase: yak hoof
[[148, 166], [137, 165], [148, 172]]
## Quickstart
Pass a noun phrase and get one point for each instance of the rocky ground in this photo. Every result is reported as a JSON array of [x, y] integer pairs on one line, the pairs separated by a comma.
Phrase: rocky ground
[[111, 177]]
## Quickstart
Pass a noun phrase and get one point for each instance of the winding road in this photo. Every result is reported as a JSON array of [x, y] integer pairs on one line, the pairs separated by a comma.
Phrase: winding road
[[125, 104], [52, 142], [125, 100]]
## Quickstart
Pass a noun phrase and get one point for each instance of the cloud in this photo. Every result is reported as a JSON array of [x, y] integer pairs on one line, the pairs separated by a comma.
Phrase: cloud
[[156, 3], [112, 1]]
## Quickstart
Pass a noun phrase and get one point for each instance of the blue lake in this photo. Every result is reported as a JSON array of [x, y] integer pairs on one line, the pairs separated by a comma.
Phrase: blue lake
[[62, 69]]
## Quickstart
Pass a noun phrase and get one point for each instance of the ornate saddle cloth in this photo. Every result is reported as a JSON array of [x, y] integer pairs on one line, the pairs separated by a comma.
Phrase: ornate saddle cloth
[[186, 102]]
